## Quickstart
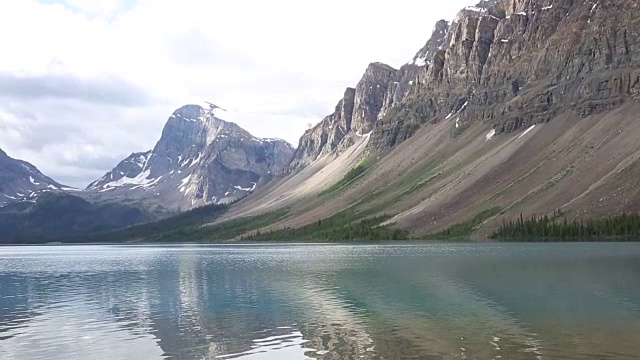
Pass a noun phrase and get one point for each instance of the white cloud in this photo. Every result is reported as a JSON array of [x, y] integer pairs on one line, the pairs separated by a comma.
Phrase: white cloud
[[99, 7], [278, 64]]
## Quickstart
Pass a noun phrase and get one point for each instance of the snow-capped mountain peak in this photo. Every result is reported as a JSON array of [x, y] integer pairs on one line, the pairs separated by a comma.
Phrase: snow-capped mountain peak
[[199, 159]]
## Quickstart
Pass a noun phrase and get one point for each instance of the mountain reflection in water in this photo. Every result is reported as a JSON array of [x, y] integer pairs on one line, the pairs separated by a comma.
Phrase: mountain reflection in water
[[524, 301]]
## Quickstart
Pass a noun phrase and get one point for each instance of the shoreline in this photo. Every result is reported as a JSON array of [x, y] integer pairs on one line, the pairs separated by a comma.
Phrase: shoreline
[[303, 243]]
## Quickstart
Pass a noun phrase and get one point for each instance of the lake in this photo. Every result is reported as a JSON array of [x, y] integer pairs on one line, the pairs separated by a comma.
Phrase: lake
[[425, 301]]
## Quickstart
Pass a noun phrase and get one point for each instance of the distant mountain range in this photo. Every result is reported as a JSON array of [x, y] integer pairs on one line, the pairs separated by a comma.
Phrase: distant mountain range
[[514, 107], [21, 181], [199, 159]]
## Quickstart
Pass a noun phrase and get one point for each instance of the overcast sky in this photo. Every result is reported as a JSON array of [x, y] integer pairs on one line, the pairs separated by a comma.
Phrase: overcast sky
[[83, 83]]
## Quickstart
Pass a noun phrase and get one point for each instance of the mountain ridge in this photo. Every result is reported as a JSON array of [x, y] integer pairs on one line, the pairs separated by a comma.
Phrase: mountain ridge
[[21, 181], [199, 159]]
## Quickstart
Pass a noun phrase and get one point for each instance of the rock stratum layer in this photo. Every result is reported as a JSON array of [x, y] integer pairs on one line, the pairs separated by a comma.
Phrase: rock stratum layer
[[519, 63]]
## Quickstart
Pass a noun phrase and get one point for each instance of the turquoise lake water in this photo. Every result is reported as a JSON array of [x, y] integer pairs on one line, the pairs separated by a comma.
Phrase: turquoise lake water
[[436, 301]]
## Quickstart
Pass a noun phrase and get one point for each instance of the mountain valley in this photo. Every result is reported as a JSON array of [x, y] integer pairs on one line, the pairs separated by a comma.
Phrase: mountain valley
[[515, 108]]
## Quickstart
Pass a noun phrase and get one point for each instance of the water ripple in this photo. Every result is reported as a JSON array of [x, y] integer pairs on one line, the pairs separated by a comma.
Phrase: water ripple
[[531, 301]]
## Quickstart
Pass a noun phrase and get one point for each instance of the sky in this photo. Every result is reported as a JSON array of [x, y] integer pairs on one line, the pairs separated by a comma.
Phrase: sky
[[84, 83]]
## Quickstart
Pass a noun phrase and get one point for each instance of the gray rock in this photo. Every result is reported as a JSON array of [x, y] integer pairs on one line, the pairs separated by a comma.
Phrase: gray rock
[[515, 63], [354, 116], [405, 79], [380, 90], [440, 38], [370, 95], [199, 159], [326, 136]]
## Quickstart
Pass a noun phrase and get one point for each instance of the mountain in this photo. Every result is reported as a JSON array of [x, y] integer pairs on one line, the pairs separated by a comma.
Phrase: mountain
[[383, 89], [60, 216], [199, 159], [23, 182], [513, 107]]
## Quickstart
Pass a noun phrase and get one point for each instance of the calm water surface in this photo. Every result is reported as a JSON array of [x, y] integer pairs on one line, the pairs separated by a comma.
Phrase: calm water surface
[[512, 301]]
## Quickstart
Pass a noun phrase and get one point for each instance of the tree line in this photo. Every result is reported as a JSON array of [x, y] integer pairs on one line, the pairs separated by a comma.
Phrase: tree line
[[558, 227]]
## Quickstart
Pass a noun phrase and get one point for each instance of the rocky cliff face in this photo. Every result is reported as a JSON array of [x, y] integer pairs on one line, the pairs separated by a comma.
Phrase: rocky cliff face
[[199, 159], [23, 182], [516, 63], [382, 90], [399, 88], [327, 135], [370, 95], [440, 38], [379, 89]]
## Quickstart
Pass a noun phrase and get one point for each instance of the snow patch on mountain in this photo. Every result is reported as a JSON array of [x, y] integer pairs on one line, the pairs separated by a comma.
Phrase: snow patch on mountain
[[142, 179], [183, 184], [142, 160], [22, 182], [526, 131], [253, 187], [490, 135]]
